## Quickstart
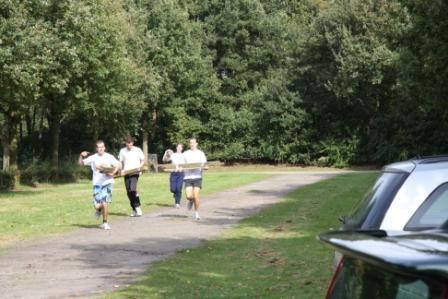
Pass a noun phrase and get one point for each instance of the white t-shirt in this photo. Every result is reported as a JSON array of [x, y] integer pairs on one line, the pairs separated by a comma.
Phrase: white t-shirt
[[177, 159], [196, 156], [95, 160], [131, 158]]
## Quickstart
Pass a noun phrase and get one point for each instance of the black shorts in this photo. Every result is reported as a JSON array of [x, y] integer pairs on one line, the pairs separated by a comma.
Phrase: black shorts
[[193, 183]]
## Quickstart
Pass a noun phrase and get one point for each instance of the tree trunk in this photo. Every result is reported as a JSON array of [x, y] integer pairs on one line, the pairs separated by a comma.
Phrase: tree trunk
[[14, 140], [55, 132], [145, 141], [30, 120], [5, 144], [95, 130], [153, 124], [10, 141]]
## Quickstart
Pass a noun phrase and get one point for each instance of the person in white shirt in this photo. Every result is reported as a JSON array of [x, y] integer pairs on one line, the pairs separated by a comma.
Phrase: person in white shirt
[[132, 159], [177, 176], [102, 182], [193, 177]]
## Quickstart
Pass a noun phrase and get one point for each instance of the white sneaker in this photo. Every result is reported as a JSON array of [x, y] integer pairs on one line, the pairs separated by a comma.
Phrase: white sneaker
[[138, 211], [133, 214], [105, 225], [97, 214], [196, 216], [190, 205], [177, 206]]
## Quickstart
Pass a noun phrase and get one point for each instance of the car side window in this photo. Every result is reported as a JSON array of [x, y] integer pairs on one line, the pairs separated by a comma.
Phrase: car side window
[[433, 213]]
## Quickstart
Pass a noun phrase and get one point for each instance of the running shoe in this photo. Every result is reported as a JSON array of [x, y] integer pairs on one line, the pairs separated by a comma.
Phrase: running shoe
[[177, 206], [138, 211], [105, 226]]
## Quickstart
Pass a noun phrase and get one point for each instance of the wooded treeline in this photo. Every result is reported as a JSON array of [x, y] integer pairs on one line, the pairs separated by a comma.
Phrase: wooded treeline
[[291, 81]]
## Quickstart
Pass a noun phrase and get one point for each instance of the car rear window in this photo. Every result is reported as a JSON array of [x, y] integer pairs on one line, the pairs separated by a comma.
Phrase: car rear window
[[433, 213], [370, 211], [358, 279]]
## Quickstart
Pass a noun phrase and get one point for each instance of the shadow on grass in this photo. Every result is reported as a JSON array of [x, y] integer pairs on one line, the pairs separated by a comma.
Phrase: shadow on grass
[[157, 204], [13, 193], [118, 214], [89, 226], [173, 216]]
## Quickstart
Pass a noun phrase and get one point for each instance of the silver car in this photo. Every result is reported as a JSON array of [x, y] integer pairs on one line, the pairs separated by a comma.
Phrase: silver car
[[409, 195]]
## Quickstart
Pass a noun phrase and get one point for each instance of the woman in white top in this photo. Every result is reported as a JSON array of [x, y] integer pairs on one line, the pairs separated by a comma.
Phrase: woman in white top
[[177, 176], [193, 177]]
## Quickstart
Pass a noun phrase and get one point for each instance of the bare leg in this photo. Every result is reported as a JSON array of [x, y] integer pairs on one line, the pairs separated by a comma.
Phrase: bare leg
[[196, 198], [105, 211], [98, 207], [189, 193]]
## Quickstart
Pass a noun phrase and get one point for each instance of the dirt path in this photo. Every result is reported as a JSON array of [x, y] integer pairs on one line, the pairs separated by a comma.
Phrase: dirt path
[[89, 262]]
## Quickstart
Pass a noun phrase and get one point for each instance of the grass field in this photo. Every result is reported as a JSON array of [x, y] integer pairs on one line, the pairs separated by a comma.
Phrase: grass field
[[271, 255], [52, 209]]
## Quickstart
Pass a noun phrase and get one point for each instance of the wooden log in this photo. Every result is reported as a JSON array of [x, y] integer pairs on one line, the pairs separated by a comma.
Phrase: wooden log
[[188, 166]]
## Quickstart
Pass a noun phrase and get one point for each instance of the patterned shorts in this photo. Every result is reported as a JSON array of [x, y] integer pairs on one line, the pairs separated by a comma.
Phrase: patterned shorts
[[102, 194]]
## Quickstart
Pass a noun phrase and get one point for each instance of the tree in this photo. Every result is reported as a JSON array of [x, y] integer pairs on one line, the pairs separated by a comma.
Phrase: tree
[[188, 83], [89, 72], [347, 73], [20, 72]]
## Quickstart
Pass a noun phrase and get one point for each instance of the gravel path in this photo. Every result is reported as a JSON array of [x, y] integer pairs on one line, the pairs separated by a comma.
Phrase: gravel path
[[89, 262]]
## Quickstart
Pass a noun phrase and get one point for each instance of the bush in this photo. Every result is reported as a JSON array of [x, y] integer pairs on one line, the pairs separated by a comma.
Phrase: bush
[[7, 179], [339, 153], [42, 172]]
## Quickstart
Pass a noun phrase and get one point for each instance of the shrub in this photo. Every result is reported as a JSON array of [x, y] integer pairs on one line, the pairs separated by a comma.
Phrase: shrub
[[42, 172], [7, 179]]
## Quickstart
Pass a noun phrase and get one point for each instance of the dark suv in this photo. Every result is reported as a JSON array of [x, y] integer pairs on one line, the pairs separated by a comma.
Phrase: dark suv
[[380, 265], [409, 195]]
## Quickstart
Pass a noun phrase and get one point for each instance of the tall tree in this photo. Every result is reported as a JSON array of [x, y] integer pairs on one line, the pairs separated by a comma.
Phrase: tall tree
[[20, 71], [347, 74], [188, 82]]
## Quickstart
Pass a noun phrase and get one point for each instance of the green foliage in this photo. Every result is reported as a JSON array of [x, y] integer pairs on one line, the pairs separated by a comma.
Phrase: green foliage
[[8, 179], [278, 81], [339, 153], [41, 172]]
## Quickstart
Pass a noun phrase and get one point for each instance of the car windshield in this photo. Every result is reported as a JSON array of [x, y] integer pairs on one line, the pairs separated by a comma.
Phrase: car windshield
[[358, 279], [369, 212]]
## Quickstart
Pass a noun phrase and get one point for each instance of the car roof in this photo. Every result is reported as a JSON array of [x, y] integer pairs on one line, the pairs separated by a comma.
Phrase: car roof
[[423, 253], [409, 165]]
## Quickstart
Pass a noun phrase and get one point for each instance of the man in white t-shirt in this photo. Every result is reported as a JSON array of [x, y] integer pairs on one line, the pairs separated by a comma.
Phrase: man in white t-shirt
[[193, 177], [177, 176], [132, 159], [102, 180]]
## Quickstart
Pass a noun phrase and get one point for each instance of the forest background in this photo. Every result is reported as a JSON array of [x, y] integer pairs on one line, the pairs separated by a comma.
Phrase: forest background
[[305, 82]]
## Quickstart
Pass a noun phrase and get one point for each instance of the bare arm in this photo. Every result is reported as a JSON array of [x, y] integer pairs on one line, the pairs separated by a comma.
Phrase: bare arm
[[82, 156], [167, 156], [116, 169]]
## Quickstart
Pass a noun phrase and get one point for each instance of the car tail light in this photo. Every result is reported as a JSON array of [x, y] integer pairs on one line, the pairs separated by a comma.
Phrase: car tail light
[[445, 292], [335, 278]]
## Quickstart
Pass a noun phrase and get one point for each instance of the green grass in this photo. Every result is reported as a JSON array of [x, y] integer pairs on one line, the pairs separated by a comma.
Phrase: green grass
[[52, 209], [273, 254]]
